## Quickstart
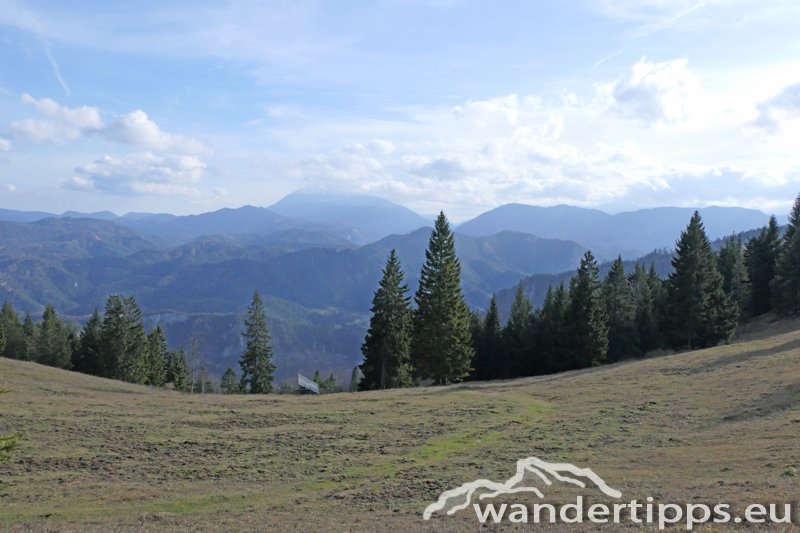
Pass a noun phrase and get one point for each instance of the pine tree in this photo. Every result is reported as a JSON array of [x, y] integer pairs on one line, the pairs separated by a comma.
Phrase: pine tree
[[587, 323], [732, 267], [256, 361], [51, 344], [179, 371], [123, 342], [699, 313], [517, 354], [623, 338], [387, 345], [29, 333], [785, 287], [441, 344], [16, 346], [551, 330], [156, 357], [86, 357], [645, 309], [2, 339], [488, 344], [761, 257], [229, 383]]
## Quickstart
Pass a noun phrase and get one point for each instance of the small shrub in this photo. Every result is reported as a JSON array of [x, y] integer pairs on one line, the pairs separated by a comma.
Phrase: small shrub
[[8, 444]]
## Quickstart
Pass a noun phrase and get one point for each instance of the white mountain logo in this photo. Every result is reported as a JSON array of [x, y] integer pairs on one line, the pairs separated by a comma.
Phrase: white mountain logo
[[461, 497]]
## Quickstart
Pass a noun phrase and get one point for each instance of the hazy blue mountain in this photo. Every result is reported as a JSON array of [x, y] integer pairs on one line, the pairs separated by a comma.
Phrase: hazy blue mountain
[[629, 233], [11, 215], [365, 218], [318, 297]]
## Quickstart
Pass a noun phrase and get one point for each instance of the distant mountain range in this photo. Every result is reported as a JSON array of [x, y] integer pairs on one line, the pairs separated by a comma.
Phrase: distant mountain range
[[317, 259], [631, 233]]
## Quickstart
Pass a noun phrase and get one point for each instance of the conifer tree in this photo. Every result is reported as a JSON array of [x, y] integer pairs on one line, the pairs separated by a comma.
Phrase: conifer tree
[[551, 330], [29, 332], [2, 339], [229, 383], [517, 354], [732, 267], [16, 346], [86, 356], [387, 345], [156, 357], [587, 323], [623, 338], [179, 371], [645, 309], [699, 313], [256, 361], [488, 343], [785, 286], [51, 344], [123, 342], [113, 335], [441, 343], [761, 257]]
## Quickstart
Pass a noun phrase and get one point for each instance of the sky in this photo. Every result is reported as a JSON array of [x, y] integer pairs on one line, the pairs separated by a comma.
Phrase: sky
[[187, 107]]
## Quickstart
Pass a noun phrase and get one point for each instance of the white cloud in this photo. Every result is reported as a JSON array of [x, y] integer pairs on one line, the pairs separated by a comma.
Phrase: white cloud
[[782, 107], [64, 123], [8, 187], [665, 92], [137, 129], [144, 173], [5, 145]]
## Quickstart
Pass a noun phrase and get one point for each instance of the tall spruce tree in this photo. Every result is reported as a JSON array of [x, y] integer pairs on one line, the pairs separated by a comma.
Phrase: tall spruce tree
[[86, 357], [761, 256], [785, 287], [16, 346], [52, 341], [645, 309], [156, 364], [441, 345], [551, 330], [2, 339], [229, 383], [699, 313], [587, 322], [123, 342], [735, 281], [178, 373], [256, 361], [387, 345], [29, 332], [623, 338], [488, 343], [517, 356]]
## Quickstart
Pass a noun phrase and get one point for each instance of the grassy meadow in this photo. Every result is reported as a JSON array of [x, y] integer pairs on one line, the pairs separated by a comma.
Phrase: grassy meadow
[[716, 425]]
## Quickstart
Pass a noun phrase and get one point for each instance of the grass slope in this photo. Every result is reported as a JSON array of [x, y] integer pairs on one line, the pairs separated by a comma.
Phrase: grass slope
[[707, 426]]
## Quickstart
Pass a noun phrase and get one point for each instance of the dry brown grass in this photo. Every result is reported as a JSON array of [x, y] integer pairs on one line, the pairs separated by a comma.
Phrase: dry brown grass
[[714, 425]]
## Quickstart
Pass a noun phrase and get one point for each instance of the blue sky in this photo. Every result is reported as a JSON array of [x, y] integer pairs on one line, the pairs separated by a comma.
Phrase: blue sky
[[437, 104]]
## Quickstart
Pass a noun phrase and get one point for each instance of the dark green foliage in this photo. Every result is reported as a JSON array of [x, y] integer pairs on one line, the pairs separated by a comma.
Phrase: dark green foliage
[[786, 284], [516, 355], [16, 345], [387, 345], [178, 373], [2, 339], [123, 342], [156, 362], [735, 281], [646, 289], [51, 345], [487, 338], [86, 357], [551, 330], [587, 322], [256, 361], [699, 313], [229, 383], [623, 335], [761, 256], [441, 343]]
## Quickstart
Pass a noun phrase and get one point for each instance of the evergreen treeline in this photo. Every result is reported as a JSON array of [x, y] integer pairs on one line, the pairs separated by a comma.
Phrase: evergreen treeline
[[591, 322]]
